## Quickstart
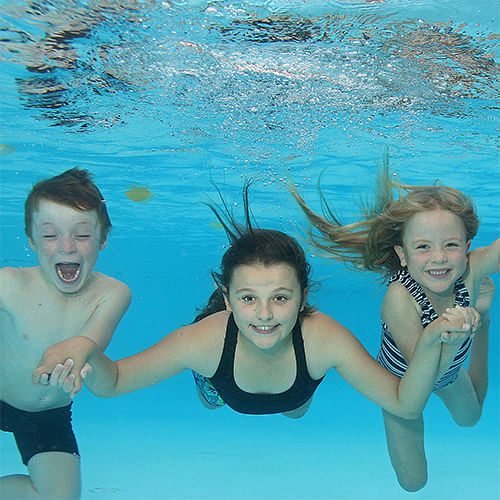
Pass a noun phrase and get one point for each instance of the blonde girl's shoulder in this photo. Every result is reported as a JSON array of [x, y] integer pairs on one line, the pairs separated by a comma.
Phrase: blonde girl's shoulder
[[397, 302], [483, 262]]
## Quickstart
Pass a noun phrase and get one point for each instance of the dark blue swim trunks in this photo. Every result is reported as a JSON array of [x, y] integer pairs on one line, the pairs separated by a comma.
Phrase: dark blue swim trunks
[[39, 431]]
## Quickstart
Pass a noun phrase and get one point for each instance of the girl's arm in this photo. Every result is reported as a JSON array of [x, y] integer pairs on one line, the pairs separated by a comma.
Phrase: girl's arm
[[485, 261], [99, 330], [405, 397], [194, 346], [403, 319]]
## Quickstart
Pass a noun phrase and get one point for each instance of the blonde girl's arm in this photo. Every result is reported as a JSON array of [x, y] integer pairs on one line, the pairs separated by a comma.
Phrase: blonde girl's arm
[[484, 261], [403, 319], [405, 397]]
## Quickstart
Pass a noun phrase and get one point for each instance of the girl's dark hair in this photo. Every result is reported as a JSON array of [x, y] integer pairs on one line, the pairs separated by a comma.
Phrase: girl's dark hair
[[251, 245]]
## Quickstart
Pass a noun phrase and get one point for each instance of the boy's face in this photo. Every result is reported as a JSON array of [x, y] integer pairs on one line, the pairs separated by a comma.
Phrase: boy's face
[[67, 242]]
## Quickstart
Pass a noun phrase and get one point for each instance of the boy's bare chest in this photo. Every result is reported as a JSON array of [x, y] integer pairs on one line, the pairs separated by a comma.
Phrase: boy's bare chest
[[41, 320]]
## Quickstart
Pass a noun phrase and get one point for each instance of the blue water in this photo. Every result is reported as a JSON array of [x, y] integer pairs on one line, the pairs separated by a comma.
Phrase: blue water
[[173, 96]]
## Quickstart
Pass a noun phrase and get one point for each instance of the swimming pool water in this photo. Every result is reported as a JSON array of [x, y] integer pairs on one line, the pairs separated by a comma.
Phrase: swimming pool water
[[170, 97]]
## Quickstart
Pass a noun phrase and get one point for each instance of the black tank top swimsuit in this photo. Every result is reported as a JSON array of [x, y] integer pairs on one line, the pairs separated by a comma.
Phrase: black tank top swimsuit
[[259, 404]]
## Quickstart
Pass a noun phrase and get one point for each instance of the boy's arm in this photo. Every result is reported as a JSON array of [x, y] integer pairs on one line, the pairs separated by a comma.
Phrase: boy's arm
[[53, 368]]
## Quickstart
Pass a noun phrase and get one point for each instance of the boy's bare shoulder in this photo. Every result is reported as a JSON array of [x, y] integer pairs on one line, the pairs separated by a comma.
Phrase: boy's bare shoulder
[[109, 285], [14, 279]]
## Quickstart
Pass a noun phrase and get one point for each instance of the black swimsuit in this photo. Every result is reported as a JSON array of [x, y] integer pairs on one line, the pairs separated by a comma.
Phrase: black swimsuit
[[222, 388]]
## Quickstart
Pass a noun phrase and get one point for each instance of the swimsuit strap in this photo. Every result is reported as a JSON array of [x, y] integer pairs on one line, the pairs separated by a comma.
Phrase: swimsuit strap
[[428, 313], [226, 364], [229, 349], [300, 353]]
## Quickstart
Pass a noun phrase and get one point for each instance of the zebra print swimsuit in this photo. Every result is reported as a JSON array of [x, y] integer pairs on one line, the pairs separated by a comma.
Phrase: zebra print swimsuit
[[391, 357]]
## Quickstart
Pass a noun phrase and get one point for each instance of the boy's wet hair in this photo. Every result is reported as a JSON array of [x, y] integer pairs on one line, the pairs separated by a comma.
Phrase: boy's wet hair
[[252, 245], [73, 188]]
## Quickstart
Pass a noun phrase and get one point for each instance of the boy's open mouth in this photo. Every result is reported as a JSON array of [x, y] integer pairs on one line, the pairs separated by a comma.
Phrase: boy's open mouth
[[68, 272]]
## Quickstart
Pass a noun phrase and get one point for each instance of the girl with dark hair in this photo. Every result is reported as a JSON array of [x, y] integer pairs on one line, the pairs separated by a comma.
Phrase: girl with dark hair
[[259, 348]]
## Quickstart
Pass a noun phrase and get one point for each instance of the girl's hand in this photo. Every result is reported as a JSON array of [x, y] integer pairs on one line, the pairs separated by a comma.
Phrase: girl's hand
[[63, 364], [469, 319]]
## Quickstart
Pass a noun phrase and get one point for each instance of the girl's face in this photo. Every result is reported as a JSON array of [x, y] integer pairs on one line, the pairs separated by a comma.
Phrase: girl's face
[[265, 302], [434, 250]]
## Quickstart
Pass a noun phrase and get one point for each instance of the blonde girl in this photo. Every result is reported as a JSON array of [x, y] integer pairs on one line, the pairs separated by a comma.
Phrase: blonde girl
[[419, 243]]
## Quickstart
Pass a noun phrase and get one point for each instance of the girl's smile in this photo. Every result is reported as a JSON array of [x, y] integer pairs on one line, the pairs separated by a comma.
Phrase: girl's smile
[[265, 301], [434, 250]]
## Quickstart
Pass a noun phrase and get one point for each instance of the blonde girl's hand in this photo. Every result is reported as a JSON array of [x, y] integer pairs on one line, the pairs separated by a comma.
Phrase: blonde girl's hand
[[467, 317]]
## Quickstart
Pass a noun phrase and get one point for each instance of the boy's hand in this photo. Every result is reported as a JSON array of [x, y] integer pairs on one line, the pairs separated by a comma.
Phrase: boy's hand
[[63, 364]]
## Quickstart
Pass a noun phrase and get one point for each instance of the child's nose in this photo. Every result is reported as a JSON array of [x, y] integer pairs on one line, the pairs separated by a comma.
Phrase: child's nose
[[439, 256], [264, 312], [67, 244]]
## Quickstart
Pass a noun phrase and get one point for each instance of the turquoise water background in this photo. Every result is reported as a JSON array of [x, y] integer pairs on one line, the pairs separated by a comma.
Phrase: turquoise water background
[[174, 97]]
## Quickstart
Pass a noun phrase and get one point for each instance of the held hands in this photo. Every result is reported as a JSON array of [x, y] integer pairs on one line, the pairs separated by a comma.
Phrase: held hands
[[64, 364], [458, 323]]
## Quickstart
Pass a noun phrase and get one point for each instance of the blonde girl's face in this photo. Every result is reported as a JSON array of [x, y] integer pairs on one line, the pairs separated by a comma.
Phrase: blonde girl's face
[[265, 302], [434, 250]]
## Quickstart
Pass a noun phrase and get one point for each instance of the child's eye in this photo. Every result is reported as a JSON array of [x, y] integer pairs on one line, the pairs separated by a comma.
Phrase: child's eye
[[422, 247], [83, 236], [247, 298], [281, 298], [48, 236]]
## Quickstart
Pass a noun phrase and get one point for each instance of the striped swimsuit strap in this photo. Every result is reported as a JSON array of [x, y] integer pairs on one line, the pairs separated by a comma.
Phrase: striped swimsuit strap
[[391, 357]]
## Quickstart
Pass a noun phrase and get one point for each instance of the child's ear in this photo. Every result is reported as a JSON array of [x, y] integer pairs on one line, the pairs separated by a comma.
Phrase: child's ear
[[226, 299], [31, 244], [467, 246], [103, 243], [401, 254]]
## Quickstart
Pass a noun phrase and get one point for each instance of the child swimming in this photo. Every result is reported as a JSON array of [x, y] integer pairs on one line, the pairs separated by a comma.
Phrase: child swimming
[[421, 244], [260, 348], [67, 224]]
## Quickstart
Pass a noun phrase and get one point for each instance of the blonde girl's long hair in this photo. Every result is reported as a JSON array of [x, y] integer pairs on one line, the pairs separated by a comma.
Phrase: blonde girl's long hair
[[369, 243]]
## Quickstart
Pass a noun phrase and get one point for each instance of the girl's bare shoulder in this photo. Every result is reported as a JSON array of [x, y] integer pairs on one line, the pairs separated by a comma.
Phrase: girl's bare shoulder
[[398, 302], [325, 339], [203, 342]]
